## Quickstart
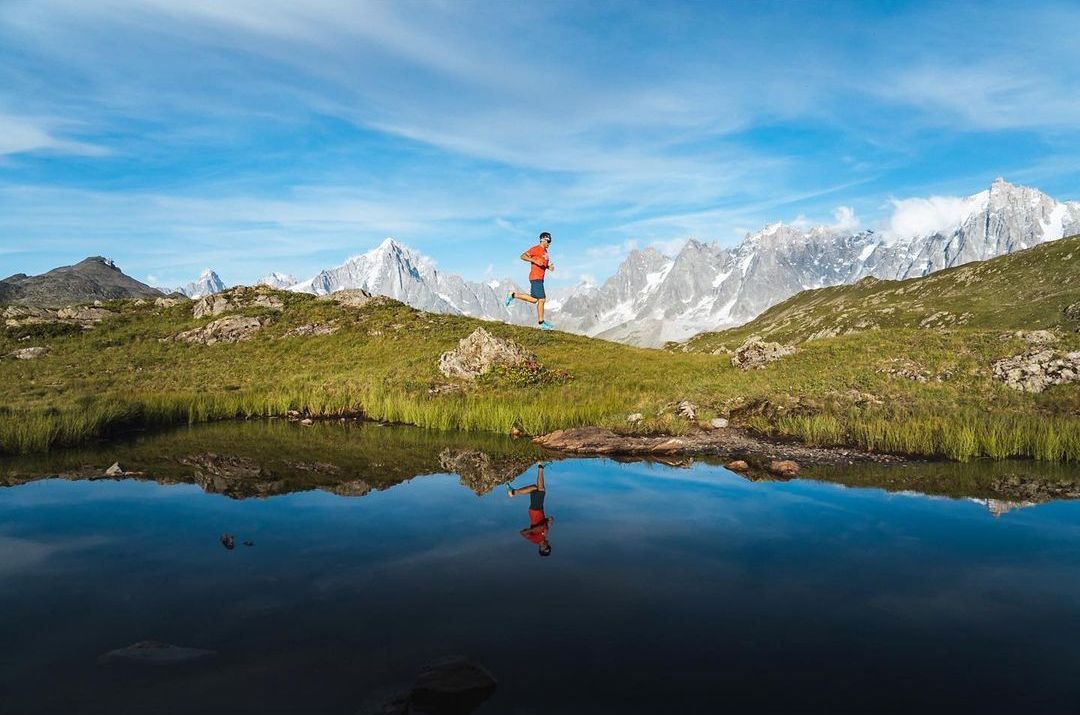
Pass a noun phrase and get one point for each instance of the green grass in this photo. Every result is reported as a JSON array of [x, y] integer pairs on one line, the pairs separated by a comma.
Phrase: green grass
[[836, 390]]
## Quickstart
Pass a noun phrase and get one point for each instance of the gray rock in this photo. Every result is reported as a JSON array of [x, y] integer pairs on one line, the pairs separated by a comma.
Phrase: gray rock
[[29, 353], [755, 353], [84, 314], [231, 329], [1037, 370], [236, 299], [718, 423], [114, 470], [634, 417], [349, 298], [156, 654], [1072, 312], [479, 352], [168, 302]]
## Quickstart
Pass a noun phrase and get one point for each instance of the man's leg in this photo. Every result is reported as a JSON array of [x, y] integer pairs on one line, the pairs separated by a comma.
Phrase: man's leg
[[540, 477], [539, 310], [524, 297], [523, 490]]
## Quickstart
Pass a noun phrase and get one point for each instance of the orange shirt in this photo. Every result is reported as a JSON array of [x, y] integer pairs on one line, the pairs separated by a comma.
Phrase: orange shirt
[[536, 273]]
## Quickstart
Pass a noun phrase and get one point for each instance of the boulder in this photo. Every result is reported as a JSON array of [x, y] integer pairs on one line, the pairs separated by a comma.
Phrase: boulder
[[236, 299], [351, 298], [479, 352], [718, 423], [755, 353], [168, 302], [451, 685], [155, 653], [738, 466], [1037, 370], [311, 330], [784, 468], [29, 353], [83, 314], [1036, 337], [114, 470], [231, 329]]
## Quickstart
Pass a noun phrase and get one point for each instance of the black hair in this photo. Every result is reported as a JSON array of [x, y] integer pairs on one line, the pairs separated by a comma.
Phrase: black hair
[[545, 551], [544, 235]]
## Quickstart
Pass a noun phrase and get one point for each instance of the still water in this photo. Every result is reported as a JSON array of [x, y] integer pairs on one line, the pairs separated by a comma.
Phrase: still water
[[667, 589]]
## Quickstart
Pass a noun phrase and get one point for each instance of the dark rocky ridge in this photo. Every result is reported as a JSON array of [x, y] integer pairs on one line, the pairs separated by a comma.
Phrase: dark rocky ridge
[[94, 278]]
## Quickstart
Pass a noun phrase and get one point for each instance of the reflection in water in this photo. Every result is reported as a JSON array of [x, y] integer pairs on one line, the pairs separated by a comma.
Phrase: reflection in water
[[539, 523], [676, 589]]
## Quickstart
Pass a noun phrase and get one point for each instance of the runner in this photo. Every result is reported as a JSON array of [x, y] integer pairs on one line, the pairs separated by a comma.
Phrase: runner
[[538, 257], [539, 523]]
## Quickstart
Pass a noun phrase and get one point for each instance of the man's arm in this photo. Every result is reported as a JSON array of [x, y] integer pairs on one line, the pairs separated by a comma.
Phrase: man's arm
[[531, 259]]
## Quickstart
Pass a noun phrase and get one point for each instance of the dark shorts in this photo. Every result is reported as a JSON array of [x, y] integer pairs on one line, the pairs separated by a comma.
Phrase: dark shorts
[[536, 500], [536, 289]]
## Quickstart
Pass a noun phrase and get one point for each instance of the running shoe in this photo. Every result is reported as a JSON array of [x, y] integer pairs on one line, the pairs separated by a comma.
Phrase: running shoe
[[545, 326], [509, 299]]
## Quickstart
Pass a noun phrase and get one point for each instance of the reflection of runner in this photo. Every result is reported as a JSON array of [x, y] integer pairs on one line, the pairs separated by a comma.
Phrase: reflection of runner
[[539, 523]]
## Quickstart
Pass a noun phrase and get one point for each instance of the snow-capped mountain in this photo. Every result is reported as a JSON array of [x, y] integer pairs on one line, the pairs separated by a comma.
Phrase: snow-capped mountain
[[652, 299], [277, 280], [207, 283], [393, 270]]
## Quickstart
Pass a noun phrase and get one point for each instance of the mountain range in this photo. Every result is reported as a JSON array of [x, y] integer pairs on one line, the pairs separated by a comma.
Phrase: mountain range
[[653, 298]]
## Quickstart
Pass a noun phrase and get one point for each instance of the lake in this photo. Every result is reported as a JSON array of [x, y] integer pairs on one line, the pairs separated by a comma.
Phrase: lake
[[374, 551]]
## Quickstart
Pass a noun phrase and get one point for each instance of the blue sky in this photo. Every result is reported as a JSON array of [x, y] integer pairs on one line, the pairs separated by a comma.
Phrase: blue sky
[[260, 135]]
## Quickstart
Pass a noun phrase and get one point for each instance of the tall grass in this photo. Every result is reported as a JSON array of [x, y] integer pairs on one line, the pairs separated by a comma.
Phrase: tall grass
[[959, 437]]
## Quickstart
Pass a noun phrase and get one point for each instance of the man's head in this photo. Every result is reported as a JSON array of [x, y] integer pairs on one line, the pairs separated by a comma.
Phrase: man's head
[[545, 548], [545, 238]]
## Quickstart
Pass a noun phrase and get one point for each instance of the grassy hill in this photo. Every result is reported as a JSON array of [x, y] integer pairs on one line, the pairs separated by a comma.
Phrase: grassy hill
[[853, 388]]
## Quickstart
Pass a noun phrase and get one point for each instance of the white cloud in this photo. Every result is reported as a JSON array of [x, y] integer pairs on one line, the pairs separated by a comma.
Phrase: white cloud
[[612, 250], [920, 217], [669, 247], [20, 134], [844, 219]]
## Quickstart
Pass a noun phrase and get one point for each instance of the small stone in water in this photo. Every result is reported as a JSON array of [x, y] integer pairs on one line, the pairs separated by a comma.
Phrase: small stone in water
[[228, 541]]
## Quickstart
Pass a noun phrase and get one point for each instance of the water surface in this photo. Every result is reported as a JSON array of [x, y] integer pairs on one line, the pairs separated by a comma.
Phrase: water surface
[[667, 589]]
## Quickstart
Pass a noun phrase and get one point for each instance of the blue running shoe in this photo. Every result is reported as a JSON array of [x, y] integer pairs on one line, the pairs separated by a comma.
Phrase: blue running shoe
[[509, 300], [545, 326]]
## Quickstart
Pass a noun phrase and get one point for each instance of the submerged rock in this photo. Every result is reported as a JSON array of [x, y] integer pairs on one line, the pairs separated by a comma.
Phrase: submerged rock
[[738, 465], [451, 685], [479, 352], [155, 653], [755, 353], [784, 468]]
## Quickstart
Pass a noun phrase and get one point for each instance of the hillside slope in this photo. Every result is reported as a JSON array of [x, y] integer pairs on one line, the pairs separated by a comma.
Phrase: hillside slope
[[131, 366]]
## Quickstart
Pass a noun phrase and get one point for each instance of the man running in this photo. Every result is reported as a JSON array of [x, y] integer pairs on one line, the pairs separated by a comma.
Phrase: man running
[[539, 523], [538, 257]]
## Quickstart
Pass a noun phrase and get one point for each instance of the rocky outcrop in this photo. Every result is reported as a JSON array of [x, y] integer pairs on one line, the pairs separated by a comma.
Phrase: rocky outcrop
[[1072, 312], [237, 299], [755, 353], [83, 316], [349, 298], [169, 302], [479, 353], [310, 330], [231, 329], [32, 353], [1037, 370]]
